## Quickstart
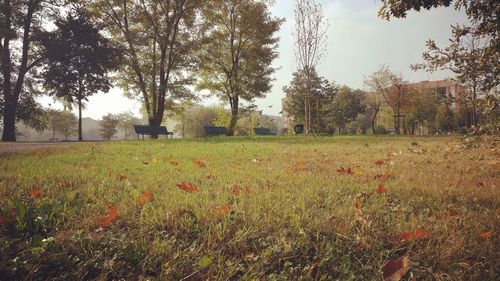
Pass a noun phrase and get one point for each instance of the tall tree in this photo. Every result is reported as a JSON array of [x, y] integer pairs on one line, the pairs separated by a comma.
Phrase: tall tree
[[474, 50], [344, 108], [241, 45], [309, 46], [78, 60], [19, 22], [158, 38]]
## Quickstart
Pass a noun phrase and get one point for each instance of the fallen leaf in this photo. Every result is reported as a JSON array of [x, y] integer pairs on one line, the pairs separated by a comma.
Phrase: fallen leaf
[[343, 170], [300, 166], [121, 177], [144, 198], [394, 270], [380, 188], [379, 162], [255, 161], [189, 187], [200, 163], [418, 234], [357, 203], [155, 161], [35, 193], [145, 162], [485, 235], [173, 162], [223, 210], [112, 214]]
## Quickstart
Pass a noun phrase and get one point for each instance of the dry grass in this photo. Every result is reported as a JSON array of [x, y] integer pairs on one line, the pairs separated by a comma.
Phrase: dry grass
[[266, 209]]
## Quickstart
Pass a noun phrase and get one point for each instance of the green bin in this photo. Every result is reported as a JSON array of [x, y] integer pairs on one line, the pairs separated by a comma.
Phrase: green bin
[[298, 129]]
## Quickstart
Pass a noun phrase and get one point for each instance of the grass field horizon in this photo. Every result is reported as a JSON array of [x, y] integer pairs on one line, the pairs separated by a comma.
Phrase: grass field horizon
[[261, 208]]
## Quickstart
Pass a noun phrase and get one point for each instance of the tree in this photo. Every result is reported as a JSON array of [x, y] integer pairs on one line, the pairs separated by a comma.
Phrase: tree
[[373, 100], [157, 38], [195, 120], [393, 89], [308, 85], [19, 23], [108, 126], [309, 46], [64, 122], [126, 122], [474, 52], [422, 110], [78, 59], [345, 108], [241, 45]]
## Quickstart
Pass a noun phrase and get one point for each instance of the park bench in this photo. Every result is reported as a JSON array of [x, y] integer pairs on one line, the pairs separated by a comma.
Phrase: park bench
[[152, 130], [262, 131], [215, 131]]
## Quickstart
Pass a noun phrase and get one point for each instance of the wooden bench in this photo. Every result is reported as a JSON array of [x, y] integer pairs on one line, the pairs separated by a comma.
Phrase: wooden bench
[[262, 131], [215, 131], [152, 130]]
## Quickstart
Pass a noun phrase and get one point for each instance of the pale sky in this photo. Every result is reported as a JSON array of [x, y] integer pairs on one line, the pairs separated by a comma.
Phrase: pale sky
[[358, 43]]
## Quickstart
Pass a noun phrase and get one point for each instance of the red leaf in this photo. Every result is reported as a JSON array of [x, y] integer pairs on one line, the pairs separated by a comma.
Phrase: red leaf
[[418, 234], [357, 203], [485, 235], [189, 187], [112, 214], [342, 170], [121, 177], [144, 198], [223, 210], [394, 270], [380, 188], [379, 162], [200, 163], [35, 193]]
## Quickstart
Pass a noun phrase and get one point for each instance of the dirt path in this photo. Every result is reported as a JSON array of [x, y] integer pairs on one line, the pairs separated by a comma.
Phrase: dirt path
[[29, 146]]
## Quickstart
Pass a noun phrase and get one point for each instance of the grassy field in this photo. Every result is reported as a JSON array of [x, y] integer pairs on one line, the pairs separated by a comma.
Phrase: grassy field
[[252, 209]]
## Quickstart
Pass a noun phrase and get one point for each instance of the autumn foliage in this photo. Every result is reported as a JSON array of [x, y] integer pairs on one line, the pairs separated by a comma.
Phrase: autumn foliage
[[111, 216], [188, 187]]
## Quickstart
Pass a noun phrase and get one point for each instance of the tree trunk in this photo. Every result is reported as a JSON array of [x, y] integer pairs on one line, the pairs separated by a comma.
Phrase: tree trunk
[[234, 115], [317, 116], [9, 120], [80, 134], [306, 129]]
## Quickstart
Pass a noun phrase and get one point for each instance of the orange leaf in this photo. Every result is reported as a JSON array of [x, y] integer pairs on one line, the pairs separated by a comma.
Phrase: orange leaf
[[35, 193], [200, 163], [300, 166], [418, 234], [485, 235], [144, 198], [379, 162], [112, 214], [380, 188], [394, 270], [189, 187], [223, 210], [357, 203]]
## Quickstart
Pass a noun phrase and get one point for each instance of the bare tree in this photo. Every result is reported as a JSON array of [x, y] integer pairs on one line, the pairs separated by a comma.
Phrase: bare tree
[[310, 45]]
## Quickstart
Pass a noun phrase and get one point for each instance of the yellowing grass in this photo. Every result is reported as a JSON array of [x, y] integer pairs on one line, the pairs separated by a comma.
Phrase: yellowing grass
[[264, 208]]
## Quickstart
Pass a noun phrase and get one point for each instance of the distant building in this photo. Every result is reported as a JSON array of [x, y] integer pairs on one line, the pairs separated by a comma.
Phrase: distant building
[[452, 90]]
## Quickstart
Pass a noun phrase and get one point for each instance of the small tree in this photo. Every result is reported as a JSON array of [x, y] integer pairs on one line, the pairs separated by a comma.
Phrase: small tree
[[108, 126], [126, 122], [66, 123], [78, 60], [195, 120], [345, 107]]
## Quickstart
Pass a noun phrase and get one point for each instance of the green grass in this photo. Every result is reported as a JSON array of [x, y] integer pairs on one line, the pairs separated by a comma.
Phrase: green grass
[[294, 219]]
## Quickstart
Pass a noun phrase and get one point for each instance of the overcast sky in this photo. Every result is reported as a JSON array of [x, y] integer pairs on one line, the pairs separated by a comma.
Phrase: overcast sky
[[358, 43]]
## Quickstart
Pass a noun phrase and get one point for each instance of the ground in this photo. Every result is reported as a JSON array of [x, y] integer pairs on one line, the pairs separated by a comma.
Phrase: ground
[[270, 208]]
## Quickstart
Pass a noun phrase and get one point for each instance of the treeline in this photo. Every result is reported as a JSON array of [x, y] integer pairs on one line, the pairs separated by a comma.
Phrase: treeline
[[390, 105], [155, 51]]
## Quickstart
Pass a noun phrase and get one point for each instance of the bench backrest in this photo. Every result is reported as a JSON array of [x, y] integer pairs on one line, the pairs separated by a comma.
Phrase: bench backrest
[[215, 131], [262, 131], [150, 130]]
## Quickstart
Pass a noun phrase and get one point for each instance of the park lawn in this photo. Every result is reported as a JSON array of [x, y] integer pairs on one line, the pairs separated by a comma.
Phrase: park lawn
[[275, 208]]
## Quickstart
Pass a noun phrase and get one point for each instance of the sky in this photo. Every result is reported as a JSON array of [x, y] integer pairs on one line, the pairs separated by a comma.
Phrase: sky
[[358, 44]]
